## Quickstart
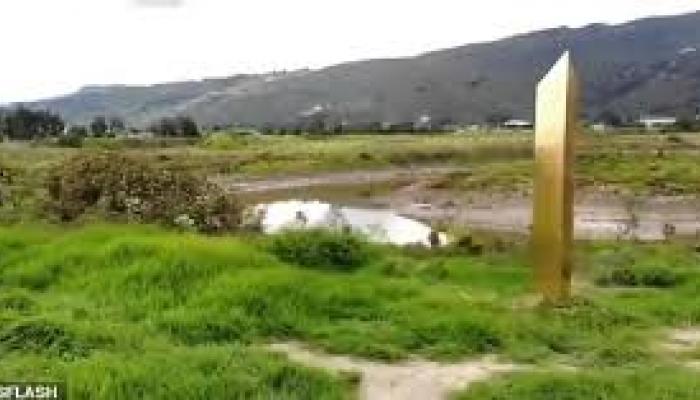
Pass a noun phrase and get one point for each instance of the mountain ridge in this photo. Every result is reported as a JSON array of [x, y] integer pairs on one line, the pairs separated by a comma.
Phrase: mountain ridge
[[647, 66]]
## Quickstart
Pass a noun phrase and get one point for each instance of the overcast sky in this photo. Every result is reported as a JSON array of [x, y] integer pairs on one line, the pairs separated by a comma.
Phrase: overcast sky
[[53, 47]]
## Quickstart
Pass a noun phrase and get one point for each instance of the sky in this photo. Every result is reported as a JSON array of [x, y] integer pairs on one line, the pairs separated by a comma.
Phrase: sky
[[54, 47]]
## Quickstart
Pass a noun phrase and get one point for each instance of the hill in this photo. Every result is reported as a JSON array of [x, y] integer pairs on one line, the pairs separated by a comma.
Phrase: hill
[[649, 66]]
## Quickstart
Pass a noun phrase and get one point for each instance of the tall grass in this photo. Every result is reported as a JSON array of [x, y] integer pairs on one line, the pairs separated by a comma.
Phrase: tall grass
[[145, 312], [648, 383]]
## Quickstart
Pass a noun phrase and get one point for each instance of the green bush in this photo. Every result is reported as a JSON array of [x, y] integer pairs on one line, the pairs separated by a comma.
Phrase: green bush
[[129, 186], [5, 180], [16, 300], [321, 249], [223, 141], [43, 337], [70, 141], [639, 277]]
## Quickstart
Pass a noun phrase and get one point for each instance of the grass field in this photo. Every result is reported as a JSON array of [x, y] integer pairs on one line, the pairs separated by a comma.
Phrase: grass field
[[105, 307], [636, 165], [133, 311], [271, 155]]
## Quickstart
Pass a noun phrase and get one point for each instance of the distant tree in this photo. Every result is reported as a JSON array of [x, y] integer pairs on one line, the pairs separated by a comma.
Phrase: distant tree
[[186, 126], [181, 126], [338, 129], [610, 118], [164, 127], [24, 124], [374, 126], [99, 126], [78, 130], [687, 124], [497, 118], [116, 125], [444, 122], [686, 119], [316, 124], [268, 129]]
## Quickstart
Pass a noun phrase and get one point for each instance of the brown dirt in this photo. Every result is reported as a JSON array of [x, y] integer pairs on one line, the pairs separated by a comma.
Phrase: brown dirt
[[683, 340], [683, 343], [598, 215], [410, 380]]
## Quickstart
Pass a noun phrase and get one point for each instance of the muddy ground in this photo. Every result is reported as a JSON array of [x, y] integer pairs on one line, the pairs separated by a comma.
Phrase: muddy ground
[[599, 214]]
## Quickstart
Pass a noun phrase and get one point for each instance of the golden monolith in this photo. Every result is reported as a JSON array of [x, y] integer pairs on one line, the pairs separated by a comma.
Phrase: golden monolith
[[552, 222]]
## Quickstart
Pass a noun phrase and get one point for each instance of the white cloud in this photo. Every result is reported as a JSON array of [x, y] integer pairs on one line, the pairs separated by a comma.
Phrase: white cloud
[[56, 46]]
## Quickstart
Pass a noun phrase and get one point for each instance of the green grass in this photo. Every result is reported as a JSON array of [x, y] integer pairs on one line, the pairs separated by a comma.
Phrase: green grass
[[145, 312], [275, 154], [636, 164], [646, 383], [635, 173]]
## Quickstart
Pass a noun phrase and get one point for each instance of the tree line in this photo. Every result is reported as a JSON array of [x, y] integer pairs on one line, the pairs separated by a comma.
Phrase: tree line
[[22, 123], [25, 124]]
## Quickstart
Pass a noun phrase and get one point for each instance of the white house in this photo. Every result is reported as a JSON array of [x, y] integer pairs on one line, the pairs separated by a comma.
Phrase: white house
[[653, 122], [517, 124], [599, 127]]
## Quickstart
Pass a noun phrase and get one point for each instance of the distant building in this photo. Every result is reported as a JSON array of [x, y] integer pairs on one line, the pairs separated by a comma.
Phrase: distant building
[[138, 134], [655, 122], [424, 122], [599, 127], [518, 124]]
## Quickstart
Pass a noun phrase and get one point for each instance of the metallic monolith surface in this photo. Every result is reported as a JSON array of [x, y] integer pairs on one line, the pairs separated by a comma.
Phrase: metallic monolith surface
[[552, 226]]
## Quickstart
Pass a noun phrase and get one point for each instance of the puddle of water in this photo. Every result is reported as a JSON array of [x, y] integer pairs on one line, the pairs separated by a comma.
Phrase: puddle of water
[[380, 226]]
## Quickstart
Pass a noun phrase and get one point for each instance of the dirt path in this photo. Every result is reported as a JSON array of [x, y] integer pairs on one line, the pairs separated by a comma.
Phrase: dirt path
[[683, 340], [411, 380], [683, 344]]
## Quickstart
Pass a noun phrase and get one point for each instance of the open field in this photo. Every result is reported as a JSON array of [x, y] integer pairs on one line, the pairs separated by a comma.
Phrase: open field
[[138, 311], [278, 155]]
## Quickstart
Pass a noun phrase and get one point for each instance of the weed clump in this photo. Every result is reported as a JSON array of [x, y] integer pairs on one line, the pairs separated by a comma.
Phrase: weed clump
[[223, 141], [43, 337], [70, 141], [639, 277], [321, 249], [128, 186], [14, 300], [5, 182]]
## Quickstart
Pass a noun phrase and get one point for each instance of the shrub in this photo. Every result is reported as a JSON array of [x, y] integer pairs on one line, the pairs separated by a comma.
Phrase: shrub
[[639, 277], [15, 300], [6, 178], [222, 141], [128, 186], [42, 337], [70, 141], [321, 249]]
